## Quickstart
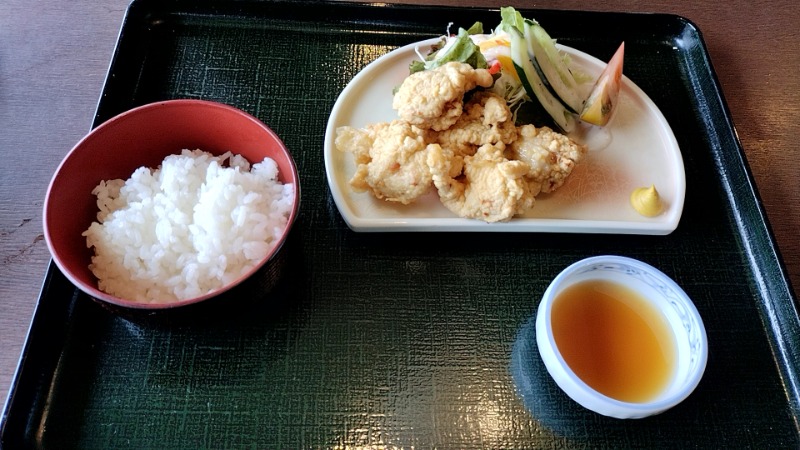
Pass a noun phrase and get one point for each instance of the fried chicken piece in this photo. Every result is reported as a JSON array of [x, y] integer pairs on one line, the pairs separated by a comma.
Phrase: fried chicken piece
[[486, 119], [492, 188], [391, 160], [551, 156], [434, 99]]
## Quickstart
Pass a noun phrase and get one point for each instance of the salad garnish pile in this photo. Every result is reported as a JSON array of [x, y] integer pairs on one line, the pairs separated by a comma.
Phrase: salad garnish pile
[[528, 66]]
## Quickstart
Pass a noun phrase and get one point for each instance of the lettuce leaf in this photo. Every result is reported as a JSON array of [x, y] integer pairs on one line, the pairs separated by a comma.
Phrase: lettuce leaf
[[460, 49], [476, 28], [510, 19]]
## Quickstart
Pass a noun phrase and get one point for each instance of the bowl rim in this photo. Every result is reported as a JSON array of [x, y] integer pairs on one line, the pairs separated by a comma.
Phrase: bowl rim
[[93, 290], [579, 390]]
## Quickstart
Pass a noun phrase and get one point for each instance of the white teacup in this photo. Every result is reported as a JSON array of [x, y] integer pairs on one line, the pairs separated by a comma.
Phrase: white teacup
[[652, 286]]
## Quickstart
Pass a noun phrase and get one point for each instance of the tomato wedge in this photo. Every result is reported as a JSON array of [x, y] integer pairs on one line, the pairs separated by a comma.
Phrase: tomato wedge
[[603, 99]]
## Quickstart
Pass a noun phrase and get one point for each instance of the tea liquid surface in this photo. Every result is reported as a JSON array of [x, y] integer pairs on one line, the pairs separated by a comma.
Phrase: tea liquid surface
[[614, 340]]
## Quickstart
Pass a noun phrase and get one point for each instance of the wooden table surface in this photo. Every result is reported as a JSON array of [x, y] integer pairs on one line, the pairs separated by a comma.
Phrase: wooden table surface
[[54, 57]]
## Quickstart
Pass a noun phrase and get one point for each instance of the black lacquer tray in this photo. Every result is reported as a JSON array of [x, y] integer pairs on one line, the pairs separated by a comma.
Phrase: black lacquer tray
[[407, 340]]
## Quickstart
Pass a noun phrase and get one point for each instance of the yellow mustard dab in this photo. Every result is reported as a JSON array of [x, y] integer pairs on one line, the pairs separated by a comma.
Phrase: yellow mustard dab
[[646, 201]]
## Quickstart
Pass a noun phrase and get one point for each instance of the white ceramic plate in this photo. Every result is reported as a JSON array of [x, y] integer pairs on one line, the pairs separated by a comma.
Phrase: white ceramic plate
[[636, 149]]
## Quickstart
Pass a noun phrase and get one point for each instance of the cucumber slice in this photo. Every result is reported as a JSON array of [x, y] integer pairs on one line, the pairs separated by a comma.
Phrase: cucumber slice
[[534, 85], [542, 47]]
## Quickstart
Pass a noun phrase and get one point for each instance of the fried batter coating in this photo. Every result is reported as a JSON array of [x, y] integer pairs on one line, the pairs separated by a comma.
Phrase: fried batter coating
[[491, 189], [391, 160], [433, 99], [486, 119], [551, 156], [481, 164]]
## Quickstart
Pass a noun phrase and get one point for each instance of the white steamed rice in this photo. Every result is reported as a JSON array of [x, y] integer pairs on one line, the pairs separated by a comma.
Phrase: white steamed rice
[[189, 227]]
